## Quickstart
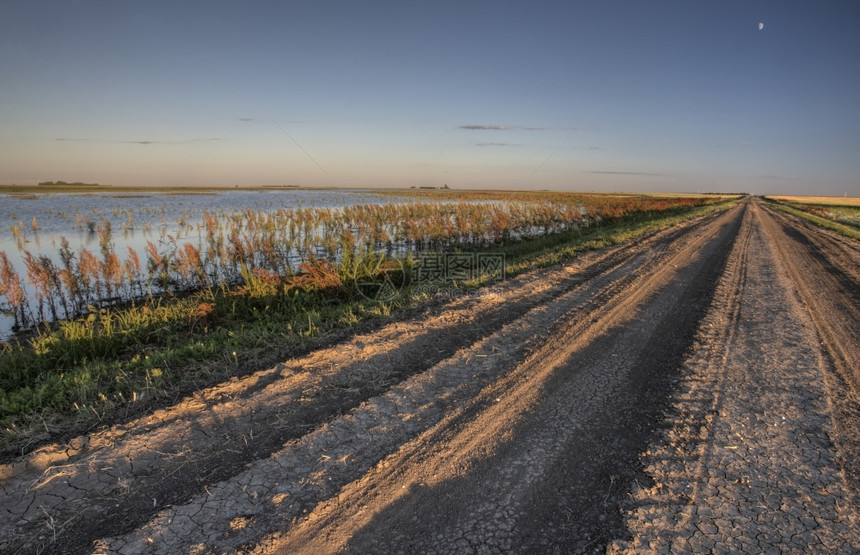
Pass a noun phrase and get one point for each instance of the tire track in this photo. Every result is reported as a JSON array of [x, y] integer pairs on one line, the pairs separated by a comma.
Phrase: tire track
[[747, 463], [825, 269], [819, 263]]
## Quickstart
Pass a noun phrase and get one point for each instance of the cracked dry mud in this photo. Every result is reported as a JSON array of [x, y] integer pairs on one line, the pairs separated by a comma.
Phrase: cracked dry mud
[[696, 390]]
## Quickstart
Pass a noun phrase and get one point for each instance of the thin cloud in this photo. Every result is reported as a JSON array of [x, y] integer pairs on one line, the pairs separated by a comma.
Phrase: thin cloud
[[495, 144], [627, 173], [498, 127], [267, 120], [186, 142], [142, 141], [484, 127]]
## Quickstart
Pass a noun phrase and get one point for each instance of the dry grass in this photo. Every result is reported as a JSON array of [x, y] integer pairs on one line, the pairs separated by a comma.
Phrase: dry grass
[[834, 201]]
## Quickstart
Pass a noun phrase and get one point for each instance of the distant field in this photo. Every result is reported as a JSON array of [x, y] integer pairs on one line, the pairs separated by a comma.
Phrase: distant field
[[840, 201], [689, 195]]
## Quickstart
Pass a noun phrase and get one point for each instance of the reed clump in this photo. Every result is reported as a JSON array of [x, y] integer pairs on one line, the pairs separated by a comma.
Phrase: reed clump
[[293, 243]]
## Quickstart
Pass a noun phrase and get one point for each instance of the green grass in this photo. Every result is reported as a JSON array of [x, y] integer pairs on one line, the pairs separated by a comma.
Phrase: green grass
[[78, 373], [847, 215], [844, 220], [546, 251]]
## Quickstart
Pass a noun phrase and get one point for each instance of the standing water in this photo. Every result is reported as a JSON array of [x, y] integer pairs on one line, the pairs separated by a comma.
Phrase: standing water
[[36, 223]]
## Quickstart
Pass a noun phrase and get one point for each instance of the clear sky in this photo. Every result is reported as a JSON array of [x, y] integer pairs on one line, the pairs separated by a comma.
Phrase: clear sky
[[605, 95]]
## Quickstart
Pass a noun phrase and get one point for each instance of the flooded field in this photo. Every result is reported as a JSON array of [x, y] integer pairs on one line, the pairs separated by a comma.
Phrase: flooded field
[[37, 222], [43, 218], [68, 255]]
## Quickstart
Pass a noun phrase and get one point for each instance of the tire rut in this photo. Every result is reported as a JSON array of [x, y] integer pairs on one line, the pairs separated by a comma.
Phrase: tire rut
[[836, 314], [825, 269], [747, 462]]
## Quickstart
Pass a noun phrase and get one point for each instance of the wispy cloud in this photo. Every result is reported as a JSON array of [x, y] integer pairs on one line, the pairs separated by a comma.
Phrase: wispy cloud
[[494, 143], [499, 127], [627, 173], [267, 120], [145, 141], [484, 127], [148, 142], [185, 142]]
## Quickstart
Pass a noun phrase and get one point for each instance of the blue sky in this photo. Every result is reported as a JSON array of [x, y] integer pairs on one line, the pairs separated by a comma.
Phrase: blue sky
[[605, 95]]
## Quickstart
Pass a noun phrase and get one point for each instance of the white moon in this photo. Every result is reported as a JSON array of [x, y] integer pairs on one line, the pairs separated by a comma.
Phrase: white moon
[[760, 26]]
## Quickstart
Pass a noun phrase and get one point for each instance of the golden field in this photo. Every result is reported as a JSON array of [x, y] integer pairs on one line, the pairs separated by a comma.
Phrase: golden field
[[840, 201]]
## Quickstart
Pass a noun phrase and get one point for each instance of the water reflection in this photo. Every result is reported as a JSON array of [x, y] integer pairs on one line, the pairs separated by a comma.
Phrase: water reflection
[[38, 222]]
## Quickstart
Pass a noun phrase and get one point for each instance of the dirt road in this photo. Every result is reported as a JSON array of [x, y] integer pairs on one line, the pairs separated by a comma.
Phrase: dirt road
[[695, 389]]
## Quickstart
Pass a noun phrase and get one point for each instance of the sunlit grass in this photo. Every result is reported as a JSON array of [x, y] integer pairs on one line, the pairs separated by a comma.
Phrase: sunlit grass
[[843, 218], [831, 201]]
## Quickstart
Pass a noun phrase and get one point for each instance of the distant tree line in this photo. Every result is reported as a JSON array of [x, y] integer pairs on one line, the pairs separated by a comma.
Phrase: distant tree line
[[64, 184], [445, 186]]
